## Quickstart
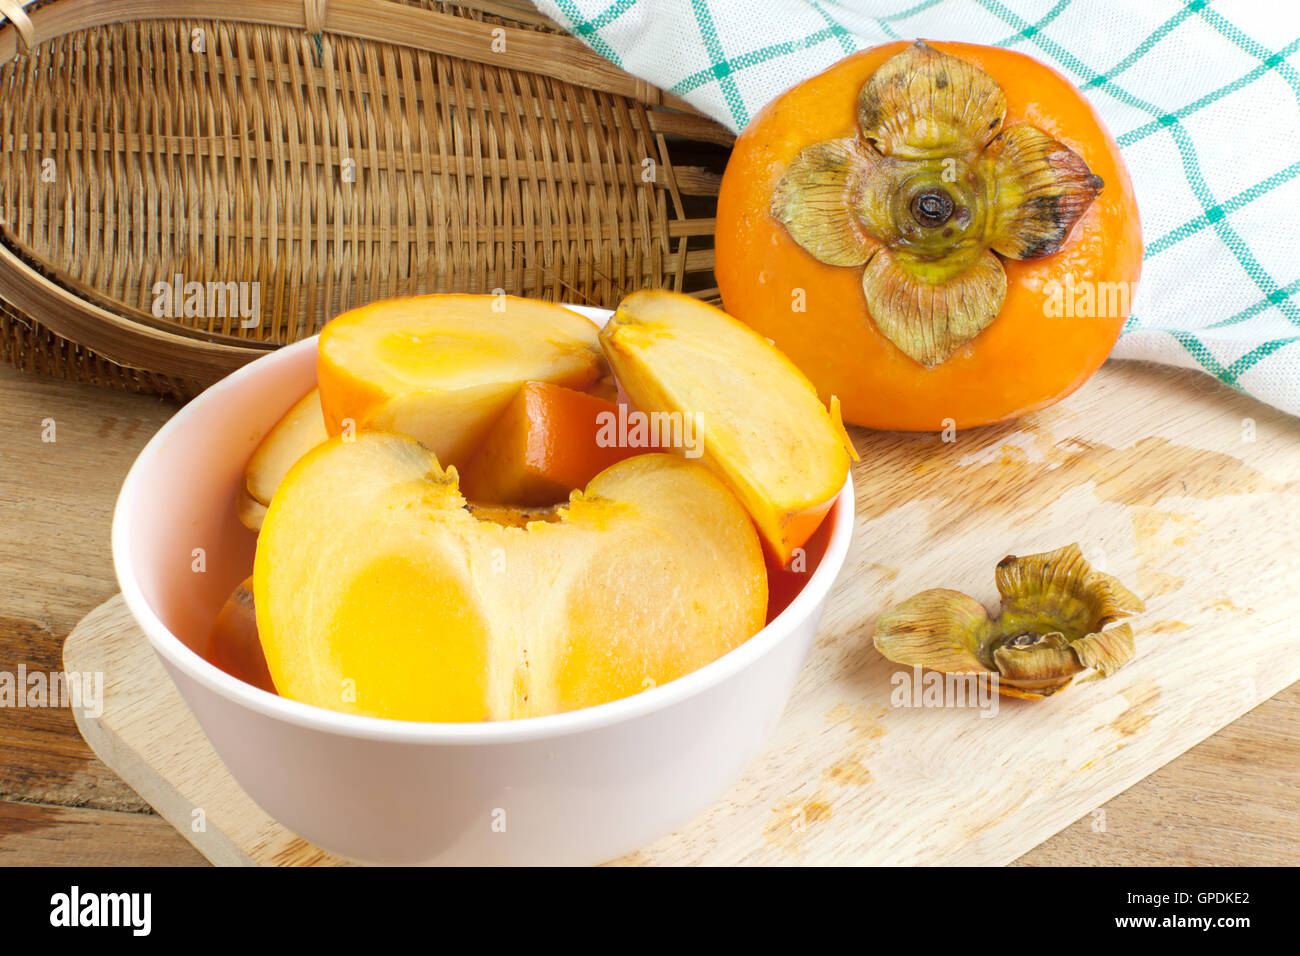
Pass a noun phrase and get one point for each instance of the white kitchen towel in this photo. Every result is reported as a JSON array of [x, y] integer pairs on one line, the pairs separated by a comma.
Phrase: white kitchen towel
[[1204, 99]]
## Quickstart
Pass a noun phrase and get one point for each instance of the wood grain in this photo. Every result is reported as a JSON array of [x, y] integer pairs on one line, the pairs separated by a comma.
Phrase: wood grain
[[57, 497], [149, 736], [1186, 492], [56, 502], [42, 756], [1231, 801], [32, 835]]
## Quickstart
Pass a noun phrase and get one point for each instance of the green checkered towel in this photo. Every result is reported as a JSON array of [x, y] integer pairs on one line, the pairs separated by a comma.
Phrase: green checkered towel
[[1203, 97]]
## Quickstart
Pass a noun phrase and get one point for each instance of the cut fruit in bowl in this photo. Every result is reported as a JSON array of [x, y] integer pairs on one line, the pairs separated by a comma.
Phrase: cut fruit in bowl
[[234, 644], [580, 786], [380, 592], [537, 453], [300, 430]]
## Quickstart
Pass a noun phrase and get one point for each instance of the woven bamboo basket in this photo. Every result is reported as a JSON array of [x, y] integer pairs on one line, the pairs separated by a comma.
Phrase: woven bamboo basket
[[185, 184]]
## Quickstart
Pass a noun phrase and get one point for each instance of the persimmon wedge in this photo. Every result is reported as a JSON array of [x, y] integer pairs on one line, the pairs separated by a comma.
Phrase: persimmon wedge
[[549, 441], [442, 368], [251, 511], [297, 432], [233, 644], [378, 592], [762, 426]]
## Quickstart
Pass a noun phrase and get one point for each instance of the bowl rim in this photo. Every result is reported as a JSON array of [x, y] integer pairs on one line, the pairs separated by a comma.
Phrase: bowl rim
[[197, 668]]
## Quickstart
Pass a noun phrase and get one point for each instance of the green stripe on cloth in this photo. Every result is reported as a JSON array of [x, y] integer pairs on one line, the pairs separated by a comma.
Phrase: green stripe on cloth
[[1225, 208], [1143, 48], [1251, 311], [1231, 374], [752, 58], [843, 36], [885, 23], [1287, 72], [1033, 28], [589, 30], [1168, 119], [721, 68]]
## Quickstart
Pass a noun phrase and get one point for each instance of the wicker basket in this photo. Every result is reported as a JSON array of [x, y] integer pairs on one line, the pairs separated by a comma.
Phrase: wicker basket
[[288, 160]]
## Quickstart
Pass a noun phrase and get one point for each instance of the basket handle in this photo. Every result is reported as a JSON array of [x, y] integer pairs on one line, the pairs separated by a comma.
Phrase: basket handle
[[531, 51], [12, 10], [115, 338]]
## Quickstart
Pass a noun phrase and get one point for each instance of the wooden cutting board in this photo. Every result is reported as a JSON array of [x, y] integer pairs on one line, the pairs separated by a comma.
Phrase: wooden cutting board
[[1186, 491]]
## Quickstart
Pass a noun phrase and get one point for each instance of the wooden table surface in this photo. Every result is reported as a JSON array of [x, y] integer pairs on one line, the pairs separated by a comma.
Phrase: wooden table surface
[[1234, 799]]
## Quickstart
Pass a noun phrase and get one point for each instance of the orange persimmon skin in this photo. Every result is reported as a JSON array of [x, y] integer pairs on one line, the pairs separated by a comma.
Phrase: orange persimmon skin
[[544, 445], [1025, 360]]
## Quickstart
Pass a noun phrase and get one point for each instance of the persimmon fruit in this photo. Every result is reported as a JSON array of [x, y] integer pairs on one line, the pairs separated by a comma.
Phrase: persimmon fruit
[[548, 441], [233, 644], [939, 234], [297, 432]]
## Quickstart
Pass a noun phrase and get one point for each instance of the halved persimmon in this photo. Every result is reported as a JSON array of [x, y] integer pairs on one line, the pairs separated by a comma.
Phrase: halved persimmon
[[940, 234], [379, 592]]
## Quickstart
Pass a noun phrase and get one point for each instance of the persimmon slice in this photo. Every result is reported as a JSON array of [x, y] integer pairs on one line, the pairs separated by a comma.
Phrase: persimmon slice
[[300, 430], [762, 425], [442, 368], [549, 441]]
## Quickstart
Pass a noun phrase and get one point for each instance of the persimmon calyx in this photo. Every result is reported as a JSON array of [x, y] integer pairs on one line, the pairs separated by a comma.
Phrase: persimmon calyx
[[928, 195], [1057, 621]]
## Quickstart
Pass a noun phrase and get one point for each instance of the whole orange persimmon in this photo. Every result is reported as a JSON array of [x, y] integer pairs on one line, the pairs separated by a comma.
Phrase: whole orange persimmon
[[939, 234]]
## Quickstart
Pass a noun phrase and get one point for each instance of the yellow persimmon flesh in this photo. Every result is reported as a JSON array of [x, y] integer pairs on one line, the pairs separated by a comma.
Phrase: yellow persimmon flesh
[[380, 593], [763, 428], [442, 368]]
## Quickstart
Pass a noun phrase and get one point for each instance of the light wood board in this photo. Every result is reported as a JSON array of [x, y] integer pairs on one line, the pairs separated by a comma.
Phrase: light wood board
[[1188, 494]]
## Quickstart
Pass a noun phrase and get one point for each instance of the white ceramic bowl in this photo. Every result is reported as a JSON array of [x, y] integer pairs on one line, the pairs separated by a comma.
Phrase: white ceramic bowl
[[579, 787]]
